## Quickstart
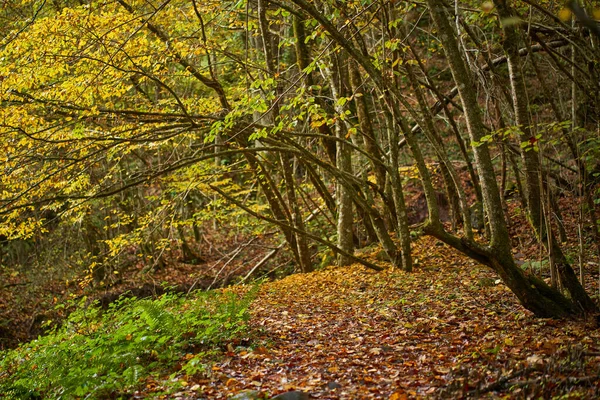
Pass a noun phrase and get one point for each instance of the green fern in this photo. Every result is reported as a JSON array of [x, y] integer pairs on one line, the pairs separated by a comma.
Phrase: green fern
[[102, 353], [155, 314]]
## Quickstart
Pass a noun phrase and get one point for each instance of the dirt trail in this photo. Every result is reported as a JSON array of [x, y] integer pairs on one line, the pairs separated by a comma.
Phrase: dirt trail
[[444, 331]]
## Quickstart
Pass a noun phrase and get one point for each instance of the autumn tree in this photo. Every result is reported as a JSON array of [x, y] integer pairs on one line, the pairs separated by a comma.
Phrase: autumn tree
[[126, 119]]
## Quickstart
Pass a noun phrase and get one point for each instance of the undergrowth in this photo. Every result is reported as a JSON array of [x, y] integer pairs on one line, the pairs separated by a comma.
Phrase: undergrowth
[[107, 353]]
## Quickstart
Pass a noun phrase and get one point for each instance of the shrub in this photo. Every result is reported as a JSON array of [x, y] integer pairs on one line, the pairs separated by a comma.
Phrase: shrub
[[105, 353]]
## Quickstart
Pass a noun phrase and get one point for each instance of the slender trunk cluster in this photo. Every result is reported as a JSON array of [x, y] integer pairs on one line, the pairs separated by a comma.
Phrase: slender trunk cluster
[[323, 119]]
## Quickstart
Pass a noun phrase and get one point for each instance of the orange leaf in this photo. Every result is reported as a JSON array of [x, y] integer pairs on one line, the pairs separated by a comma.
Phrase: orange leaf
[[398, 396]]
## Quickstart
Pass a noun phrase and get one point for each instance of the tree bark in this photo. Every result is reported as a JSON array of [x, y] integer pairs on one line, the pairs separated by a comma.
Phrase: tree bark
[[285, 159], [533, 176], [533, 294], [345, 218]]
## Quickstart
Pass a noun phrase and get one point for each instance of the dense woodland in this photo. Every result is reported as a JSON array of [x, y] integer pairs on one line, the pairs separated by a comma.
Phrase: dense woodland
[[157, 147]]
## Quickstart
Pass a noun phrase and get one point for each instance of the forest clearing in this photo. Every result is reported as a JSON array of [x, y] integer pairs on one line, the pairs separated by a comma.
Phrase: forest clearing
[[295, 199]]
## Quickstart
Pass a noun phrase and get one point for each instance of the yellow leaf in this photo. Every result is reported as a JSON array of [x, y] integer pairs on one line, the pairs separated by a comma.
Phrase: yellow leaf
[[508, 341], [487, 6], [231, 382], [564, 14]]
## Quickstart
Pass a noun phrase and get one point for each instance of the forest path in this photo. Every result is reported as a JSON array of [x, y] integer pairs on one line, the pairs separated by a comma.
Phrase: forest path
[[350, 333]]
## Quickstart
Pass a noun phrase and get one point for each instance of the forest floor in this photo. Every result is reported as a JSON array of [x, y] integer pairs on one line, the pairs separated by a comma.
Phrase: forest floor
[[449, 330]]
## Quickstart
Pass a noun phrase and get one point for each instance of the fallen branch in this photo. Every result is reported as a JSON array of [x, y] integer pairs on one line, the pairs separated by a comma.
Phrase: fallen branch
[[309, 235], [236, 253], [263, 261]]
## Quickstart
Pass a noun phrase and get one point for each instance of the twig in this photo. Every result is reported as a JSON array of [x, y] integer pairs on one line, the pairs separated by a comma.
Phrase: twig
[[263, 261], [211, 246], [14, 284], [237, 252], [502, 381]]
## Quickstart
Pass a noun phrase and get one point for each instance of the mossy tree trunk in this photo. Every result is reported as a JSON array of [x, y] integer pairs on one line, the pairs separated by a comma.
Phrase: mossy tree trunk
[[533, 177], [533, 294]]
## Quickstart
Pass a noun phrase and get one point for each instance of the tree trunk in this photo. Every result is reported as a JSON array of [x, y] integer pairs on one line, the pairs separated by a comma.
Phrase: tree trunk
[[303, 61], [286, 160], [380, 173], [533, 177], [345, 220], [533, 294]]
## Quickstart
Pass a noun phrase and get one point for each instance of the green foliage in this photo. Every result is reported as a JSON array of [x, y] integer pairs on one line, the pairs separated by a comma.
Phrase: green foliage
[[99, 353], [534, 265]]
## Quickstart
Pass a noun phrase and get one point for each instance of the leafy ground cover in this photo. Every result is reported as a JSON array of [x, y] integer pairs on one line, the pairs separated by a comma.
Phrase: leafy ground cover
[[104, 353], [450, 330]]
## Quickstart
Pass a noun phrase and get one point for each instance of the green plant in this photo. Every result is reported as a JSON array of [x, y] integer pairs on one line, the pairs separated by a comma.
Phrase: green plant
[[534, 265], [105, 353]]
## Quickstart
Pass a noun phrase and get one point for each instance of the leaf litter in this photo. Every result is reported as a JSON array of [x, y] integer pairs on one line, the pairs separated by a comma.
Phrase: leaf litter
[[448, 330]]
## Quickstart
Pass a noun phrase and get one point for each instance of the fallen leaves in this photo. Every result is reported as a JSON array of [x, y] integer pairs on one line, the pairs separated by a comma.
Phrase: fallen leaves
[[346, 333]]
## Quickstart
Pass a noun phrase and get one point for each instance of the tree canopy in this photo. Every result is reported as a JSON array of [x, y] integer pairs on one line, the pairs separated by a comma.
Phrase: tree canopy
[[428, 168], [135, 121]]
